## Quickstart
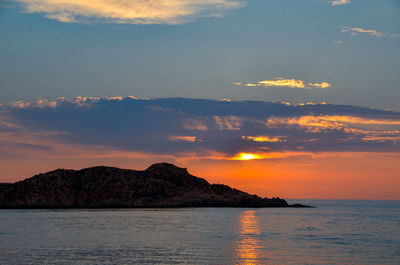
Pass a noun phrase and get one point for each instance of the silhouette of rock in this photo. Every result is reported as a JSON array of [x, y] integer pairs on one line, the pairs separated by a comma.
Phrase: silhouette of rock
[[161, 185]]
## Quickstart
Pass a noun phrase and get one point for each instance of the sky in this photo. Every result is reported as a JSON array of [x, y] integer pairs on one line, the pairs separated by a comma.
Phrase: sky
[[289, 98]]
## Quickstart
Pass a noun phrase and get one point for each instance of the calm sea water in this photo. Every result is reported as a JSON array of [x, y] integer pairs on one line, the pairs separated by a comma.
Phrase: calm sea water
[[336, 232]]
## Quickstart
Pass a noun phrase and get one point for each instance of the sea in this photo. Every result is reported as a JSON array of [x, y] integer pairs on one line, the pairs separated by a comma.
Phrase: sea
[[334, 232]]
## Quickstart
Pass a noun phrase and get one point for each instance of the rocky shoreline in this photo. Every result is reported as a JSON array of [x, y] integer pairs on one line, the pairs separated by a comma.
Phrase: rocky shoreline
[[161, 185]]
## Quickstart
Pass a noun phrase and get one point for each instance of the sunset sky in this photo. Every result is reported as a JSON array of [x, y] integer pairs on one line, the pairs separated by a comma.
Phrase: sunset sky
[[288, 98]]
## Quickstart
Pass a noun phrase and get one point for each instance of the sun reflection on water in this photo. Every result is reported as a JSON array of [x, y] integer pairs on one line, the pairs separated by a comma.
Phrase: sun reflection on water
[[248, 246]]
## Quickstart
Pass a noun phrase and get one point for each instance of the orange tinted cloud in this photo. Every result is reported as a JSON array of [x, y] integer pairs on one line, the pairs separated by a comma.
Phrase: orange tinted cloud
[[329, 121], [190, 139], [132, 12], [265, 139], [340, 2], [279, 82], [311, 123], [320, 85], [379, 130], [380, 139], [282, 82], [42, 103], [20, 104]]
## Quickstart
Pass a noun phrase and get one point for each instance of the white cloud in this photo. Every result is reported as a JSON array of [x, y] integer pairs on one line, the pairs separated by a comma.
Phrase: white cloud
[[130, 11], [340, 2], [372, 32]]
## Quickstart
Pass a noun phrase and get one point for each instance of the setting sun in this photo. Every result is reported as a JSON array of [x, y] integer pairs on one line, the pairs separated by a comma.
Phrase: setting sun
[[246, 156]]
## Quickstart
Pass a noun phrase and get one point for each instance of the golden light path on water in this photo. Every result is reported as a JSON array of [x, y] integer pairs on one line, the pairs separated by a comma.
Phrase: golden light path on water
[[248, 247]]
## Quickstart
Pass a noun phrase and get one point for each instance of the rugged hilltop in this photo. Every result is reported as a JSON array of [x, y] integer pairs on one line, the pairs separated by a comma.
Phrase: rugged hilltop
[[161, 185]]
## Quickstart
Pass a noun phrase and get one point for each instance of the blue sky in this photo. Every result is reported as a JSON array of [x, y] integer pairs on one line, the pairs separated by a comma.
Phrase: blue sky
[[202, 54]]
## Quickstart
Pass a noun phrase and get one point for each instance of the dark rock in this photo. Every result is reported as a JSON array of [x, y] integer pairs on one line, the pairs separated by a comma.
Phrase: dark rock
[[161, 185], [298, 205]]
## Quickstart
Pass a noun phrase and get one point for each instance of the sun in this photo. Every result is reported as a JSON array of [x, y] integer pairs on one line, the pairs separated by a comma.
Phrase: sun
[[246, 156]]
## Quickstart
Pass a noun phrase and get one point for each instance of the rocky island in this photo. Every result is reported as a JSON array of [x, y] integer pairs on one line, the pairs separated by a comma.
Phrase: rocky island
[[160, 185]]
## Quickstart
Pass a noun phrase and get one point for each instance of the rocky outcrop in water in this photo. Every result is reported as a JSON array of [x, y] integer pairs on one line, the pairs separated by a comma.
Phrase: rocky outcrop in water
[[161, 185]]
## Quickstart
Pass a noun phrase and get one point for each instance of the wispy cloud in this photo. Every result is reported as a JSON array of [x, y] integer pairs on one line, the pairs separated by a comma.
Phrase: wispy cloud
[[354, 31], [369, 129], [338, 42], [320, 85], [382, 138], [340, 2], [282, 82], [130, 12], [195, 124], [228, 123], [264, 138], [190, 139]]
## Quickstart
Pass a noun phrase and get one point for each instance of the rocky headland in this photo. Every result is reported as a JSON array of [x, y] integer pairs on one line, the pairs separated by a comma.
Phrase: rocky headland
[[160, 185]]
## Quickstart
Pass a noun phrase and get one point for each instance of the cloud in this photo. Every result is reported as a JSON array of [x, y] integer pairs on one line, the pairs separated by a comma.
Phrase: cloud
[[195, 124], [362, 129], [190, 139], [354, 31], [282, 82], [264, 138], [20, 104], [228, 123], [320, 85], [131, 11], [338, 42], [279, 82], [340, 2], [191, 129], [382, 138]]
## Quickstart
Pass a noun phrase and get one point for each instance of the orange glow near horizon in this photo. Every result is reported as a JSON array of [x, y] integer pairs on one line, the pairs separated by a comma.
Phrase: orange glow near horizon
[[323, 176]]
